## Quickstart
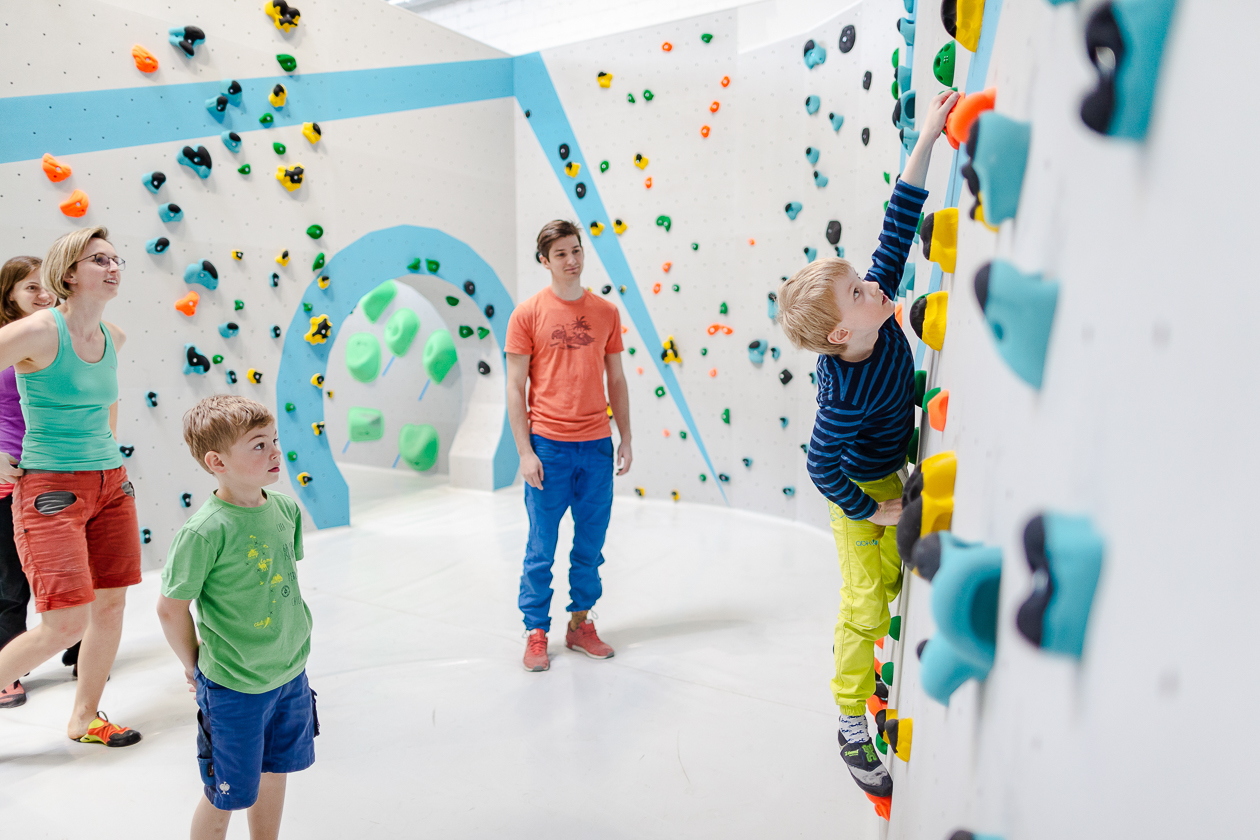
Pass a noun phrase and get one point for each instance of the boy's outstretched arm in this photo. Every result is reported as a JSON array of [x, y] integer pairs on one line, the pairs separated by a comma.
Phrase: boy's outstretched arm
[[915, 173], [181, 634]]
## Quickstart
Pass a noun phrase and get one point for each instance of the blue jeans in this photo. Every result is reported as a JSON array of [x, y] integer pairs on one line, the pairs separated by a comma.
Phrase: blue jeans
[[577, 475]]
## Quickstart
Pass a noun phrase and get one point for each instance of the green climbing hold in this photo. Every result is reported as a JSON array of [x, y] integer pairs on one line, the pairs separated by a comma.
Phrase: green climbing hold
[[306, 307], [631, 351], [287, 62], [927, 398], [365, 424], [912, 450], [722, 310], [217, 359], [894, 628], [695, 246], [243, 169], [664, 221], [603, 166], [418, 446], [400, 331], [439, 355], [375, 301], [676, 289], [414, 265], [465, 331], [660, 390], [881, 744], [452, 300], [363, 356], [278, 148], [314, 231], [726, 416], [886, 673], [887, 178], [703, 477], [319, 262], [920, 386], [683, 434], [238, 305], [630, 98], [918, 225], [706, 37], [896, 58], [482, 332], [896, 90], [704, 351], [432, 266], [291, 455], [290, 407], [266, 119], [648, 96], [943, 65]]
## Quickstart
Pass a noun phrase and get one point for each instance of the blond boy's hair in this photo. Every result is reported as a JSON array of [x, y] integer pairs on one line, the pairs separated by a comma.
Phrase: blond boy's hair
[[217, 422], [64, 255], [808, 311]]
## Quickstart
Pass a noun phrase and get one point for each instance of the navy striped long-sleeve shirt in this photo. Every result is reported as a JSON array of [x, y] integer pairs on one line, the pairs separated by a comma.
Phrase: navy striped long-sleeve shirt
[[866, 409]]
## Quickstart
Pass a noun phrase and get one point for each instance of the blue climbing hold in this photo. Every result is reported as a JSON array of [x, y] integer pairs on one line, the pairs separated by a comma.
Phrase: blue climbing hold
[[815, 57], [907, 279], [811, 254], [837, 120], [198, 160], [202, 273], [783, 422], [1125, 41], [999, 156], [229, 328], [820, 180], [964, 606], [906, 27], [903, 77], [232, 140], [232, 90], [153, 181], [811, 104], [170, 212], [774, 353], [157, 245], [1065, 556], [908, 138], [1019, 309], [757, 352], [217, 106], [903, 111], [186, 38], [811, 155], [909, 6], [195, 362], [792, 208], [772, 305]]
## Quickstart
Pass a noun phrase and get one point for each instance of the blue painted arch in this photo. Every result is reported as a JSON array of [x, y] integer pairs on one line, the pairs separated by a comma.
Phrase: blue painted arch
[[355, 270]]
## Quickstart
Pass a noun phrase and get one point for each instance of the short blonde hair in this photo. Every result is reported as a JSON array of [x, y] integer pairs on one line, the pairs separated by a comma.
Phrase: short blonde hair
[[808, 311], [217, 422], [64, 254]]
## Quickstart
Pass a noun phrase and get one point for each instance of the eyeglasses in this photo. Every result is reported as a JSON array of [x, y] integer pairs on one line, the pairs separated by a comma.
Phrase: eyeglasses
[[103, 261]]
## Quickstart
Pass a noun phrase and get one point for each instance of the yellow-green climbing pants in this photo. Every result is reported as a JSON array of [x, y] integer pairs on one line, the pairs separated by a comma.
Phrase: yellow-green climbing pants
[[871, 569]]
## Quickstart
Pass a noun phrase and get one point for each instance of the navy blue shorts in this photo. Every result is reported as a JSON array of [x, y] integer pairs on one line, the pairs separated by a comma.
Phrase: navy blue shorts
[[241, 736]]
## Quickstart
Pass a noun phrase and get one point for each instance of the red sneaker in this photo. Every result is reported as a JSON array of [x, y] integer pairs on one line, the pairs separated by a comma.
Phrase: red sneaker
[[536, 651], [13, 696], [585, 639]]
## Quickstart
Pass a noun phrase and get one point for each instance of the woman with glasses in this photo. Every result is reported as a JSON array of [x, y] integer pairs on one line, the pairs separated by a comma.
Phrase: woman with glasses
[[74, 511]]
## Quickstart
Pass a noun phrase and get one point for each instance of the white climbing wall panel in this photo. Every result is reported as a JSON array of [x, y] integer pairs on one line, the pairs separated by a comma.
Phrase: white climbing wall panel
[[448, 167]]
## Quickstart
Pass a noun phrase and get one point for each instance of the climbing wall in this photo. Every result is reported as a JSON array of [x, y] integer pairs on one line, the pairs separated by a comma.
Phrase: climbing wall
[[723, 138], [395, 150]]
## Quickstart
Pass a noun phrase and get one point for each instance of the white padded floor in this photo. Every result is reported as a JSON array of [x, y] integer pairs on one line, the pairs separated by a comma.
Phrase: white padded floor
[[713, 719]]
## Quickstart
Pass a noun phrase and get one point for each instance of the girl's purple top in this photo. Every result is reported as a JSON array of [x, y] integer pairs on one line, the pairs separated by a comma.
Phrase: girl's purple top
[[12, 424]]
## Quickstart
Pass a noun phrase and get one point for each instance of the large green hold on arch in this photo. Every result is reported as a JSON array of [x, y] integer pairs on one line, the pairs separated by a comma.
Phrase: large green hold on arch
[[439, 355], [363, 356], [418, 446], [365, 424], [400, 331], [375, 301]]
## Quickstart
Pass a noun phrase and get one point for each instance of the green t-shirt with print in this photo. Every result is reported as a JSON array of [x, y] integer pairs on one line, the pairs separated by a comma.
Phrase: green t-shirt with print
[[240, 565]]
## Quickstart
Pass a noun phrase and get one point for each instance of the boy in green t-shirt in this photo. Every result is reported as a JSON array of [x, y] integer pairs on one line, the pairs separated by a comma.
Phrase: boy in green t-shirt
[[237, 557]]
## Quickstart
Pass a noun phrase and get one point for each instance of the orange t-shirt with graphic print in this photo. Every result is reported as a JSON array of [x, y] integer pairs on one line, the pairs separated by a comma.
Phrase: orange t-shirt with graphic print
[[566, 341]]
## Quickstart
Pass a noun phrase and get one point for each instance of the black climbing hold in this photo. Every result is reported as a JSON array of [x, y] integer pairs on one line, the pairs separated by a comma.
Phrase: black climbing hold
[[949, 17], [470, 288], [606, 290], [564, 151], [196, 360], [156, 180], [866, 136], [151, 398], [1030, 620], [1102, 33], [483, 368], [982, 285], [526, 113], [199, 156], [275, 331], [866, 81], [896, 114], [161, 244], [275, 279], [146, 536], [785, 376], [833, 232], [925, 558], [917, 311], [188, 43], [723, 477], [231, 377], [580, 189], [186, 499], [234, 87], [809, 45], [489, 310], [918, 654], [127, 451], [220, 103], [847, 36]]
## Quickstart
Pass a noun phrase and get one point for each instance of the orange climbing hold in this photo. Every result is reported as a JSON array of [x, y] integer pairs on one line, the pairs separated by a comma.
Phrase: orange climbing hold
[[714, 107], [883, 805], [897, 312], [726, 80], [665, 268], [76, 205], [667, 46], [665, 432], [639, 371], [625, 330], [188, 304], [55, 169], [713, 372], [874, 705], [964, 113], [938, 411], [715, 328], [880, 644], [146, 62], [656, 288], [704, 131], [648, 183]]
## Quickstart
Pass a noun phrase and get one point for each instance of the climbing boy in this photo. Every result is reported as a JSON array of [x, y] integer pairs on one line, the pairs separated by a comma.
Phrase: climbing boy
[[861, 434], [237, 558], [565, 342]]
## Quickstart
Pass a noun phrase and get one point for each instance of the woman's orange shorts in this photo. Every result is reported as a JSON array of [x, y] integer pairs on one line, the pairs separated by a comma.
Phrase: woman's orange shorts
[[76, 532]]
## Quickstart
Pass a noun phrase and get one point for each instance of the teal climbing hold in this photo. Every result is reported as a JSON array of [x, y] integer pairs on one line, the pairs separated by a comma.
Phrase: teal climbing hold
[[1065, 555], [418, 445], [439, 355], [811, 155], [363, 356], [792, 208], [400, 331], [375, 301], [1125, 41], [811, 104], [999, 156], [1019, 309], [365, 424]]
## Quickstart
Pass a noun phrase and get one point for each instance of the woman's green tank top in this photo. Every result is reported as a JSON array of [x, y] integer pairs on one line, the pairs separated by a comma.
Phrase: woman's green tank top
[[66, 406]]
